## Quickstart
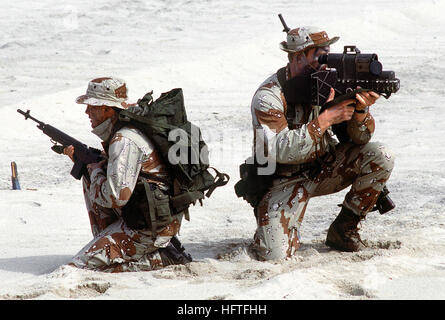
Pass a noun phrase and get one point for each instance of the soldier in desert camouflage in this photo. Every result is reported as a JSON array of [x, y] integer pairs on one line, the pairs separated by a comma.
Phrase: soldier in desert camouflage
[[299, 136], [119, 243]]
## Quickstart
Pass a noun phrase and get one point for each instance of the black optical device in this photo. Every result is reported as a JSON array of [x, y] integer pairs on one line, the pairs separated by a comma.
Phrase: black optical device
[[346, 72]]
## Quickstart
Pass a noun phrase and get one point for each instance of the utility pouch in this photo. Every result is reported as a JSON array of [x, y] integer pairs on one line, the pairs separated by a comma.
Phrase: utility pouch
[[159, 214], [252, 187], [182, 201], [148, 207]]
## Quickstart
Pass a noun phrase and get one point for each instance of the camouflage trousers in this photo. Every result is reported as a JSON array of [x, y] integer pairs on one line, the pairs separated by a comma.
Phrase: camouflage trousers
[[281, 211], [116, 247]]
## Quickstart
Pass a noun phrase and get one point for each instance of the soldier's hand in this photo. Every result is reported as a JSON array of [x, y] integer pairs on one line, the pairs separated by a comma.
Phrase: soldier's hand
[[366, 99], [342, 111], [338, 113], [69, 151]]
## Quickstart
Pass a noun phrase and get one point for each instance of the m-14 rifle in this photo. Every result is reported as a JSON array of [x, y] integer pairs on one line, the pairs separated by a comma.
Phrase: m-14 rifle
[[83, 155]]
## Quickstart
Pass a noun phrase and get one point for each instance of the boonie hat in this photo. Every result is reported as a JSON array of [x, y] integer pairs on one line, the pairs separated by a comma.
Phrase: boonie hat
[[306, 37], [111, 92]]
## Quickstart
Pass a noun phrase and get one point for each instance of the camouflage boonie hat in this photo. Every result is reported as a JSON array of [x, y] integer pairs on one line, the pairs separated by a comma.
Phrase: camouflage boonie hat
[[306, 37], [111, 92]]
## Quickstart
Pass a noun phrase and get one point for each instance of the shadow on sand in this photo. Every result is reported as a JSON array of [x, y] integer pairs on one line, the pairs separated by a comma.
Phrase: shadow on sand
[[36, 265]]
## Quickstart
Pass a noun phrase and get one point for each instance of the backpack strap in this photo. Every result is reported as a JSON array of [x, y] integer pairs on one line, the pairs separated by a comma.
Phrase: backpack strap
[[150, 215], [221, 179], [184, 199], [127, 116]]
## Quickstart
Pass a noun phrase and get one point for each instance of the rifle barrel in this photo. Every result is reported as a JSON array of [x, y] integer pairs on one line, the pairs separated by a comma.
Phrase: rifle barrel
[[27, 115]]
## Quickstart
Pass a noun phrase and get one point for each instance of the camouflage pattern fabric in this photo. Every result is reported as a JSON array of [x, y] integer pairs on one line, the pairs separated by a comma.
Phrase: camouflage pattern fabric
[[302, 38], [362, 164], [115, 247]]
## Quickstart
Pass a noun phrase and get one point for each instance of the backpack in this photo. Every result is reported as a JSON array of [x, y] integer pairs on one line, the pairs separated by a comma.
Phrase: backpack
[[157, 119]]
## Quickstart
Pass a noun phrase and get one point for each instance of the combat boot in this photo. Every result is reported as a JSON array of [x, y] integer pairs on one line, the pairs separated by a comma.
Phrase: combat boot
[[174, 253], [343, 233]]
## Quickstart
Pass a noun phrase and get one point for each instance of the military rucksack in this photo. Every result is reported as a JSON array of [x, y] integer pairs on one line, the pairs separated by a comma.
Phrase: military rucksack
[[157, 119]]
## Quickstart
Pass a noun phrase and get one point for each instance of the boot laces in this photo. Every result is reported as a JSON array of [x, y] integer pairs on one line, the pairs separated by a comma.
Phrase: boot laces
[[352, 233]]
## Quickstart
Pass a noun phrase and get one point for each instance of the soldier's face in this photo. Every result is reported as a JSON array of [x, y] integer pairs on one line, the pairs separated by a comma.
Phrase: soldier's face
[[317, 53], [98, 114], [306, 62]]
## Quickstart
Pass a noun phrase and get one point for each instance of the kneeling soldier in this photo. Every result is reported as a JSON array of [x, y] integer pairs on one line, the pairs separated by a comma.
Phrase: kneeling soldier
[[301, 137], [116, 195]]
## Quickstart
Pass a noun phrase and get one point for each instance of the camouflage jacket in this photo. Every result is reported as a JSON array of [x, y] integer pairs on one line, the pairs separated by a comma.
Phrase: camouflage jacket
[[129, 153], [295, 137]]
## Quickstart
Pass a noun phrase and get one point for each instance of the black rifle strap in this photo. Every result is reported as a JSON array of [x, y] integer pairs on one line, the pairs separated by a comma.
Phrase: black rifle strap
[[151, 214], [282, 78], [281, 75]]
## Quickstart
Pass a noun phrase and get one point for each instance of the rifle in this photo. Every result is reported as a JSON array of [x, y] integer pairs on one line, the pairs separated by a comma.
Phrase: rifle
[[83, 155]]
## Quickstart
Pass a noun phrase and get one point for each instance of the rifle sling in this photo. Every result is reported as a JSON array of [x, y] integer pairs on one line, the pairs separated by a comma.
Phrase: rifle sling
[[151, 214]]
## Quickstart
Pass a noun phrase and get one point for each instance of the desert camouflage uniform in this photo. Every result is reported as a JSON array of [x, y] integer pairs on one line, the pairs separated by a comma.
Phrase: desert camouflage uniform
[[297, 140], [115, 246]]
